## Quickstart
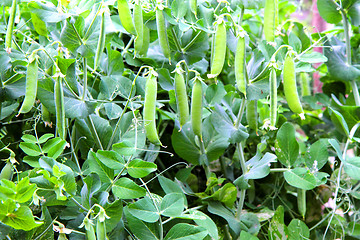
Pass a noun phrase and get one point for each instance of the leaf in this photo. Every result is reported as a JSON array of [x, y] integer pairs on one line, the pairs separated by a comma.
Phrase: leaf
[[29, 138], [328, 11], [295, 42], [24, 190], [337, 66], [172, 205], [17, 217], [54, 147], [47, 12], [226, 194], [140, 229], [318, 155], [144, 210], [298, 230], [105, 173], [111, 159], [313, 57], [218, 209], [277, 228], [257, 90], [186, 231], [30, 149], [304, 179], [91, 185], [259, 168], [352, 167], [341, 120], [247, 236], [138, 168], [206, 223], [125, 188], [288, 145], [45, 137]]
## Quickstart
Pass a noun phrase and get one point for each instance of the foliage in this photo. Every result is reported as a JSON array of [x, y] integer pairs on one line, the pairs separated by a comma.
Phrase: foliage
[[80, 160]]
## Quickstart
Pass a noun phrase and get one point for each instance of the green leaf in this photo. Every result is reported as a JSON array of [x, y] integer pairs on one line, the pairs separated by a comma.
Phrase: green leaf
[[29, 138], [259, 168], [124, 148], [258, 90], [91, 185], [172, 205], [335, 144], [47, 11], [247, 236], [329, 11], [206, 223], [68, 179], [138, 168], [186, 231], [54, 147], [218, 209], [277, 228], [105, 173], [304, 179], [352, 167], [298, 230], [125, 188], [226, 194], [318, 155], [354, 14], [341, 120], [17, 217], [313, 57], [45, 137], [142, 230], [295, 42], [288, 145], [30, 149], [24, 190], [111, 159], [144, 210]]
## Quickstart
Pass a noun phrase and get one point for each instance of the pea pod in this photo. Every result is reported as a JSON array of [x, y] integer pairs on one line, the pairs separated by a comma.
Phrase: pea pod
[[150, 108], [125, 16], [101, 230], [290, 89], [273, 98], [139, 26], [162, 35], [196, 108], [146, 41], [270, 19], [101, 41], [305, 84], [218, 49], [181, 96], [240, 65], [10, 27], [31, 86], [60, 108], [90, 231], [7, 171], [251, 114], [301, 201]]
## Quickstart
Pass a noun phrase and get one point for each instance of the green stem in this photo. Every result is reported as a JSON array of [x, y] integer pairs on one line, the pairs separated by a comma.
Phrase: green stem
[[279, 169], [128, 45], [203, 152], [124, 110], [241, 15], [85, 79], [93, 131], [176, 40], [92, 22], [192, 42]]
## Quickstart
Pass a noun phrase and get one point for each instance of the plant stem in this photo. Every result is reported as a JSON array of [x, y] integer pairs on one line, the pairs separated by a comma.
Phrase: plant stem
[[348, 55], [91, 126], [85, 79], [176, 40], [191, 42], [279, 169]]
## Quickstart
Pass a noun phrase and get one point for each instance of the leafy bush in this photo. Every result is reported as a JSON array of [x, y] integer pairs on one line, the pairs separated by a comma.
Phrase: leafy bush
[[178, 119]]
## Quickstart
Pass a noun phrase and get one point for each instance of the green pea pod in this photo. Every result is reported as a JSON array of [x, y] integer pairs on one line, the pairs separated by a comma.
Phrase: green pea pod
[[7, 171], [45, 115], [31, 85], [301, 201], [125, 16], [162, 35], [290, 89], [90, 231], [240, 65], [305, 84], [101, 41], [10, 27], [251, 114], [139, 26], [101, 230], [181, 96], [146, 41], [196, 108], [218, 49], [273, 98], [60, 108], [193, 6], [270, 19], [150, 108]]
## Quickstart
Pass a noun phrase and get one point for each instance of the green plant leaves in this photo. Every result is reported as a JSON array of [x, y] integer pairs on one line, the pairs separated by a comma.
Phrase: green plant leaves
[[352, 167], [186, 231], [329, 11], [125, 188], [277, 228], [304, 179], [172, 205], [138, 168], [289, 147]]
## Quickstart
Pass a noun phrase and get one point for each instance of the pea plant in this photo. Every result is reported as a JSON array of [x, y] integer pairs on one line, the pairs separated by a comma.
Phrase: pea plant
[[179, 119]]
